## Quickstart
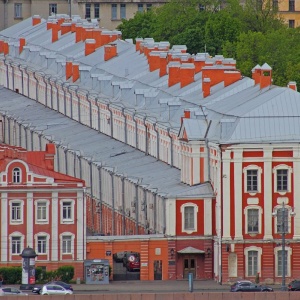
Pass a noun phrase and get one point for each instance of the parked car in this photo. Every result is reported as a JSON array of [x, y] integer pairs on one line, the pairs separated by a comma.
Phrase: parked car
[[37, 289], [133, 263], [248, 286], [4, 291], [294, 285], [54, 289]]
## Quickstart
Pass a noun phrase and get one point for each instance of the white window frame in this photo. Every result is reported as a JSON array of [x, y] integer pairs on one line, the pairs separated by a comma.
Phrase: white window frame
[[290, 211], [16, 235], [21, 205], [18, 10], [37, 219], [17, 175], [62, 237], [288, 267], [114, 11], [289, 174], [182, 209], [253, 248], [67, 220], [259, 172], [43, 239], [36, 237], [123, 11], [260, 212]]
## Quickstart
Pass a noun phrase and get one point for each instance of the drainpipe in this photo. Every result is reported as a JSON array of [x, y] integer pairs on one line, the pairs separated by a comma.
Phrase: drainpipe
[[8, 129], [111, 121], [136, 208], [20, 134], [92, 195], [113, 201], [25, 69], [171, 142], [51, 92], [22, 79], [154, 210], [46, 90], [65, 98], [136, 130], [90, 109], [125, 124], [58, 157], [78, 105], [7, 75], [157, 140], [123, 206], [71, 105], [145, 205], [100, 198], [31, 137], [164, 214], [36, 86], [146, 134], [40, 140], [13, 75], [26, 137], [57, 94], [66, 161], [4, 127], [99, 115], [208, 152]]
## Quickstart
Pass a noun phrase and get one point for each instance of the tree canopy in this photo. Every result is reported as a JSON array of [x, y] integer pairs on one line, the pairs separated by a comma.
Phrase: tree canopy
[[252, 33]]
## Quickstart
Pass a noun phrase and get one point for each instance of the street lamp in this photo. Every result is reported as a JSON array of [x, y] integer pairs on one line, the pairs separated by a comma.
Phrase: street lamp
[[282, 215]]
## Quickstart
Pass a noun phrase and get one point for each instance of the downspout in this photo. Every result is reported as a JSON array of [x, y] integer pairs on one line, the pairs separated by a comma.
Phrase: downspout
[[13, 76], [208, 152], [26, 138], [46, 90], [157, 140], [136, 130], [20, 134], [164, 214], [7, 75], [123, 206], [25, 69], [66, 161], [36, 86], [171, 143], [100, 198], [113, 202], [92, 194], [90, 109], [4, 128], [155, 214], [111, 121], [57, 93], [65, 98], [51, 92], [31, 136], [58, 157], [221, 223], [136, 209], [40, 141], [78, 105], [99, 115], [125, 125], [146, 134], [8, 129], [22, 79], [145, 208]]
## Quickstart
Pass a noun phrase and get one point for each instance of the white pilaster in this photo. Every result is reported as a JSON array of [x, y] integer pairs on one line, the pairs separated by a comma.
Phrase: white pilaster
[[267, 185], [30, 220], [238, 205], [226, 194], [296, 196], [5, 217], [80, 226], [54, 227], [207, 217]]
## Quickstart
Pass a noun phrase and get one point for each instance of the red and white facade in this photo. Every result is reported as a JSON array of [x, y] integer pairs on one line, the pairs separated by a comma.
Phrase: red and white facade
[[41, 209]]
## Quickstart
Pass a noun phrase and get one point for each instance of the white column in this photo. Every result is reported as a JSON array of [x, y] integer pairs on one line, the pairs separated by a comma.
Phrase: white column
[[54, 227], [267, 185], [207, 217], [30, 221], [226, 194], [238, 205], [296, 176], [5, 218], [80, 236]]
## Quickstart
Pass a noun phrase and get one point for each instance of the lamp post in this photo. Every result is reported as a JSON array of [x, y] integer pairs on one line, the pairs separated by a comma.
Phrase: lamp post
[[282, 223]]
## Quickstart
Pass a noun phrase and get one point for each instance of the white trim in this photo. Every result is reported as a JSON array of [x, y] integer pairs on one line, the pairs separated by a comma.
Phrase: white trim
[[182, 208], [290, 171], [36, 202], [64, 234], [290, 210], [289, 253], [71, 220], [16, 234], [42, 234], [20, 221], [259, 172], [19, 175], [253, 248], [260, 212]]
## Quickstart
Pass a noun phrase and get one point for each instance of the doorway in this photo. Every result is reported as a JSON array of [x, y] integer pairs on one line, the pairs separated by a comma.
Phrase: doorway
[[189, 266], [157, 270]]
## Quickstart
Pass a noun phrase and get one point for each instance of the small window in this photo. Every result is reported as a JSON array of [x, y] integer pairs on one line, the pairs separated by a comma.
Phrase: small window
[[67, 210], [252, 263], [18, 10], [280, 264], [148, 6], [189, 218], [114, 11], [123, 11], [41, 211], [88, 10], [291, 23], [97, 10], [291, 5], [67, 244], [16, 212], [16, 245], [52, 9], [253, 219], [17, 175], [282, 180], [282, 221], [252, 181], [42, 245], [140, 7]]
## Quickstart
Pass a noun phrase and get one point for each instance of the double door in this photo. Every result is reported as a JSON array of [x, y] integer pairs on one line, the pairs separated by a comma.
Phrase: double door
[[189, 266]]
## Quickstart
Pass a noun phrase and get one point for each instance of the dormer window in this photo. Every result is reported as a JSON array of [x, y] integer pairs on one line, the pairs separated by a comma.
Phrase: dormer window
[[16, 175]]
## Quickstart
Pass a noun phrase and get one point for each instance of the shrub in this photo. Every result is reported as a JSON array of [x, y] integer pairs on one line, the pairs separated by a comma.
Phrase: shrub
[[11, 275], [65, 273]]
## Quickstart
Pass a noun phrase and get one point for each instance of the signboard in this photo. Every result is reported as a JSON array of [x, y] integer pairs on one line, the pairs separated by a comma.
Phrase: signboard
[[108, 253]]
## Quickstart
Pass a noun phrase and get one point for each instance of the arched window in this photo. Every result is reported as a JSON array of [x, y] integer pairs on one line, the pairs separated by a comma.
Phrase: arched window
[[16, 175]]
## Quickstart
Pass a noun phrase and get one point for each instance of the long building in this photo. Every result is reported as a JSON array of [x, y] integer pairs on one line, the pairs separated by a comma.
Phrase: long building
[[187, 162]]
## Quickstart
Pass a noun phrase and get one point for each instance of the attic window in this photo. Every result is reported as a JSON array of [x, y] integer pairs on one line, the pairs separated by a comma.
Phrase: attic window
[[16, 175]]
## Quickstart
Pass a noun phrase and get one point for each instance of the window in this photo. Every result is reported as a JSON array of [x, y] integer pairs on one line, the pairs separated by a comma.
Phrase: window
[[16, 175], [67, 210], [41, 211], [16, 212], [282, 180], [291, 5], [52, 9], [291, 23], [16, 245], [42, 245], [252, 180], [140, 7], [148, 6], [275, 5], [67, 244], [123, 11], [280, 264], [252, 263], [282, 220], [189, 217], [88, 10], [114, 11], [97, 10], [18, 10], [253, 218]]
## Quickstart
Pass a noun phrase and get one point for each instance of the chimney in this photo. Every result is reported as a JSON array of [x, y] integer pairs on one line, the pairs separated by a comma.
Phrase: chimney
[[110, 51], [256, 74], [174, 73], [231, 77], [49, 25], [22, 44], [187, 74], [60, 21], [292, 85], [154, 60], [187, 114], [1, 46], [36, 20], [265, 76], [206, 87], [75, 72], [138, 42], [97, 37], [199, 62], [5, 48], [106, 37], [78, 33], [69, 69], [163, 62], [90, 46], [73, 27], [65, 28], [55, 29], [88, 33]]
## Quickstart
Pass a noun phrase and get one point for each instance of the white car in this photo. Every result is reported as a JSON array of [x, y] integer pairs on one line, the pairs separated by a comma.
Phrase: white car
[[53, 289], [4, 291]]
